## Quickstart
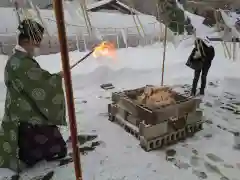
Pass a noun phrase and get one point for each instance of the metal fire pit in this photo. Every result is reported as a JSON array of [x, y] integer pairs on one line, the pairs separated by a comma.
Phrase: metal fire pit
[[156, 127]]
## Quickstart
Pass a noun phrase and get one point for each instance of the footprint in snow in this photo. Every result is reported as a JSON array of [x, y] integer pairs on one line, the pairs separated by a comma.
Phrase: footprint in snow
[[47, 176], [83, 138], [195, 161], [227, 108], [104, 114], [224, 178], [80, 102], [222, 128], [237, 112], [170, 153], [80, 112], [170, 156], [229, 166], [212, 84], [214, 157], [88, 148], [200, 174], [208, 104], [208, 136], [182, 165], [209, 122], [194, 151], [214, 169]]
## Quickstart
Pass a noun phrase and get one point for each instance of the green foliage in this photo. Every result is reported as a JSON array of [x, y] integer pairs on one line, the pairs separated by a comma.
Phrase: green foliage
[[177, 20], [172, 16]]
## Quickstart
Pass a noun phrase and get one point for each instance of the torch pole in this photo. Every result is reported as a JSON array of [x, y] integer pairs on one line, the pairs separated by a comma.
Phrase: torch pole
[[82, 59], [59, 13]]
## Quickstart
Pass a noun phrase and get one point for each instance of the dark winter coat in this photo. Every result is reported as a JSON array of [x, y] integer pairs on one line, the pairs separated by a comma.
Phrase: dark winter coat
[[205, 57]]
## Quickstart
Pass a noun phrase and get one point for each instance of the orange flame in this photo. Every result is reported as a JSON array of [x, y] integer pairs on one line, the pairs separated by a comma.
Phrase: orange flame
[[105, 49]]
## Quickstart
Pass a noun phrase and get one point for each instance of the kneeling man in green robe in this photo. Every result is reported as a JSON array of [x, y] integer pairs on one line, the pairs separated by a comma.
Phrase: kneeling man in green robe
[[34, 106]]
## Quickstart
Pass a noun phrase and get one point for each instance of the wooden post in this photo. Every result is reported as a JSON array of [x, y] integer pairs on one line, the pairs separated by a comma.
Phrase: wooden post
[[59, 13], [164, 53]]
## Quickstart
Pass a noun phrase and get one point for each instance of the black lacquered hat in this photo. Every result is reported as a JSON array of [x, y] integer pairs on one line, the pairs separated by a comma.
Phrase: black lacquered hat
[[31, 29]]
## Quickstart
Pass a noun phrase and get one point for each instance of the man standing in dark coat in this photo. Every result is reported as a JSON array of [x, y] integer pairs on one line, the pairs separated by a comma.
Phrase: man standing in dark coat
[[200, 60]]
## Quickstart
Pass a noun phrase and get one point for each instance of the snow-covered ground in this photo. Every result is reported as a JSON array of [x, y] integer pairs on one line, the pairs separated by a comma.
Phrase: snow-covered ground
[[120, 156], [208, 154]]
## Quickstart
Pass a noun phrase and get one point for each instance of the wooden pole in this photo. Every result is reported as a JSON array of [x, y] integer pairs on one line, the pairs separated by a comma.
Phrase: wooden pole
[[59, 13], [164, 53]]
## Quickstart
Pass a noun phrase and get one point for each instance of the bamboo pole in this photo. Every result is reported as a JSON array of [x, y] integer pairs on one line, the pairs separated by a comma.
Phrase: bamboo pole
[[86, 17], [137, 17], [158, 18], [234, 49], [164, 53], [59, 13], [16, 5], [225, 48], [135, 22]]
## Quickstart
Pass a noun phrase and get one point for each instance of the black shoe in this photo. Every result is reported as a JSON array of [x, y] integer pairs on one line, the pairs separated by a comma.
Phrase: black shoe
[[193, 92], [202, 92]]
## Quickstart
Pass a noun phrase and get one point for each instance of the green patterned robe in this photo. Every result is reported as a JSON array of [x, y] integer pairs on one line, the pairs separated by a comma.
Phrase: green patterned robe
[[34, 96]]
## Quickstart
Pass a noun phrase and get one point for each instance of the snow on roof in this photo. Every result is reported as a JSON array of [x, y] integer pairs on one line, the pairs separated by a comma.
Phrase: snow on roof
[[104, 2], [99, 3], [197, 22], [109, 22], [230, 21], [127, 7]]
